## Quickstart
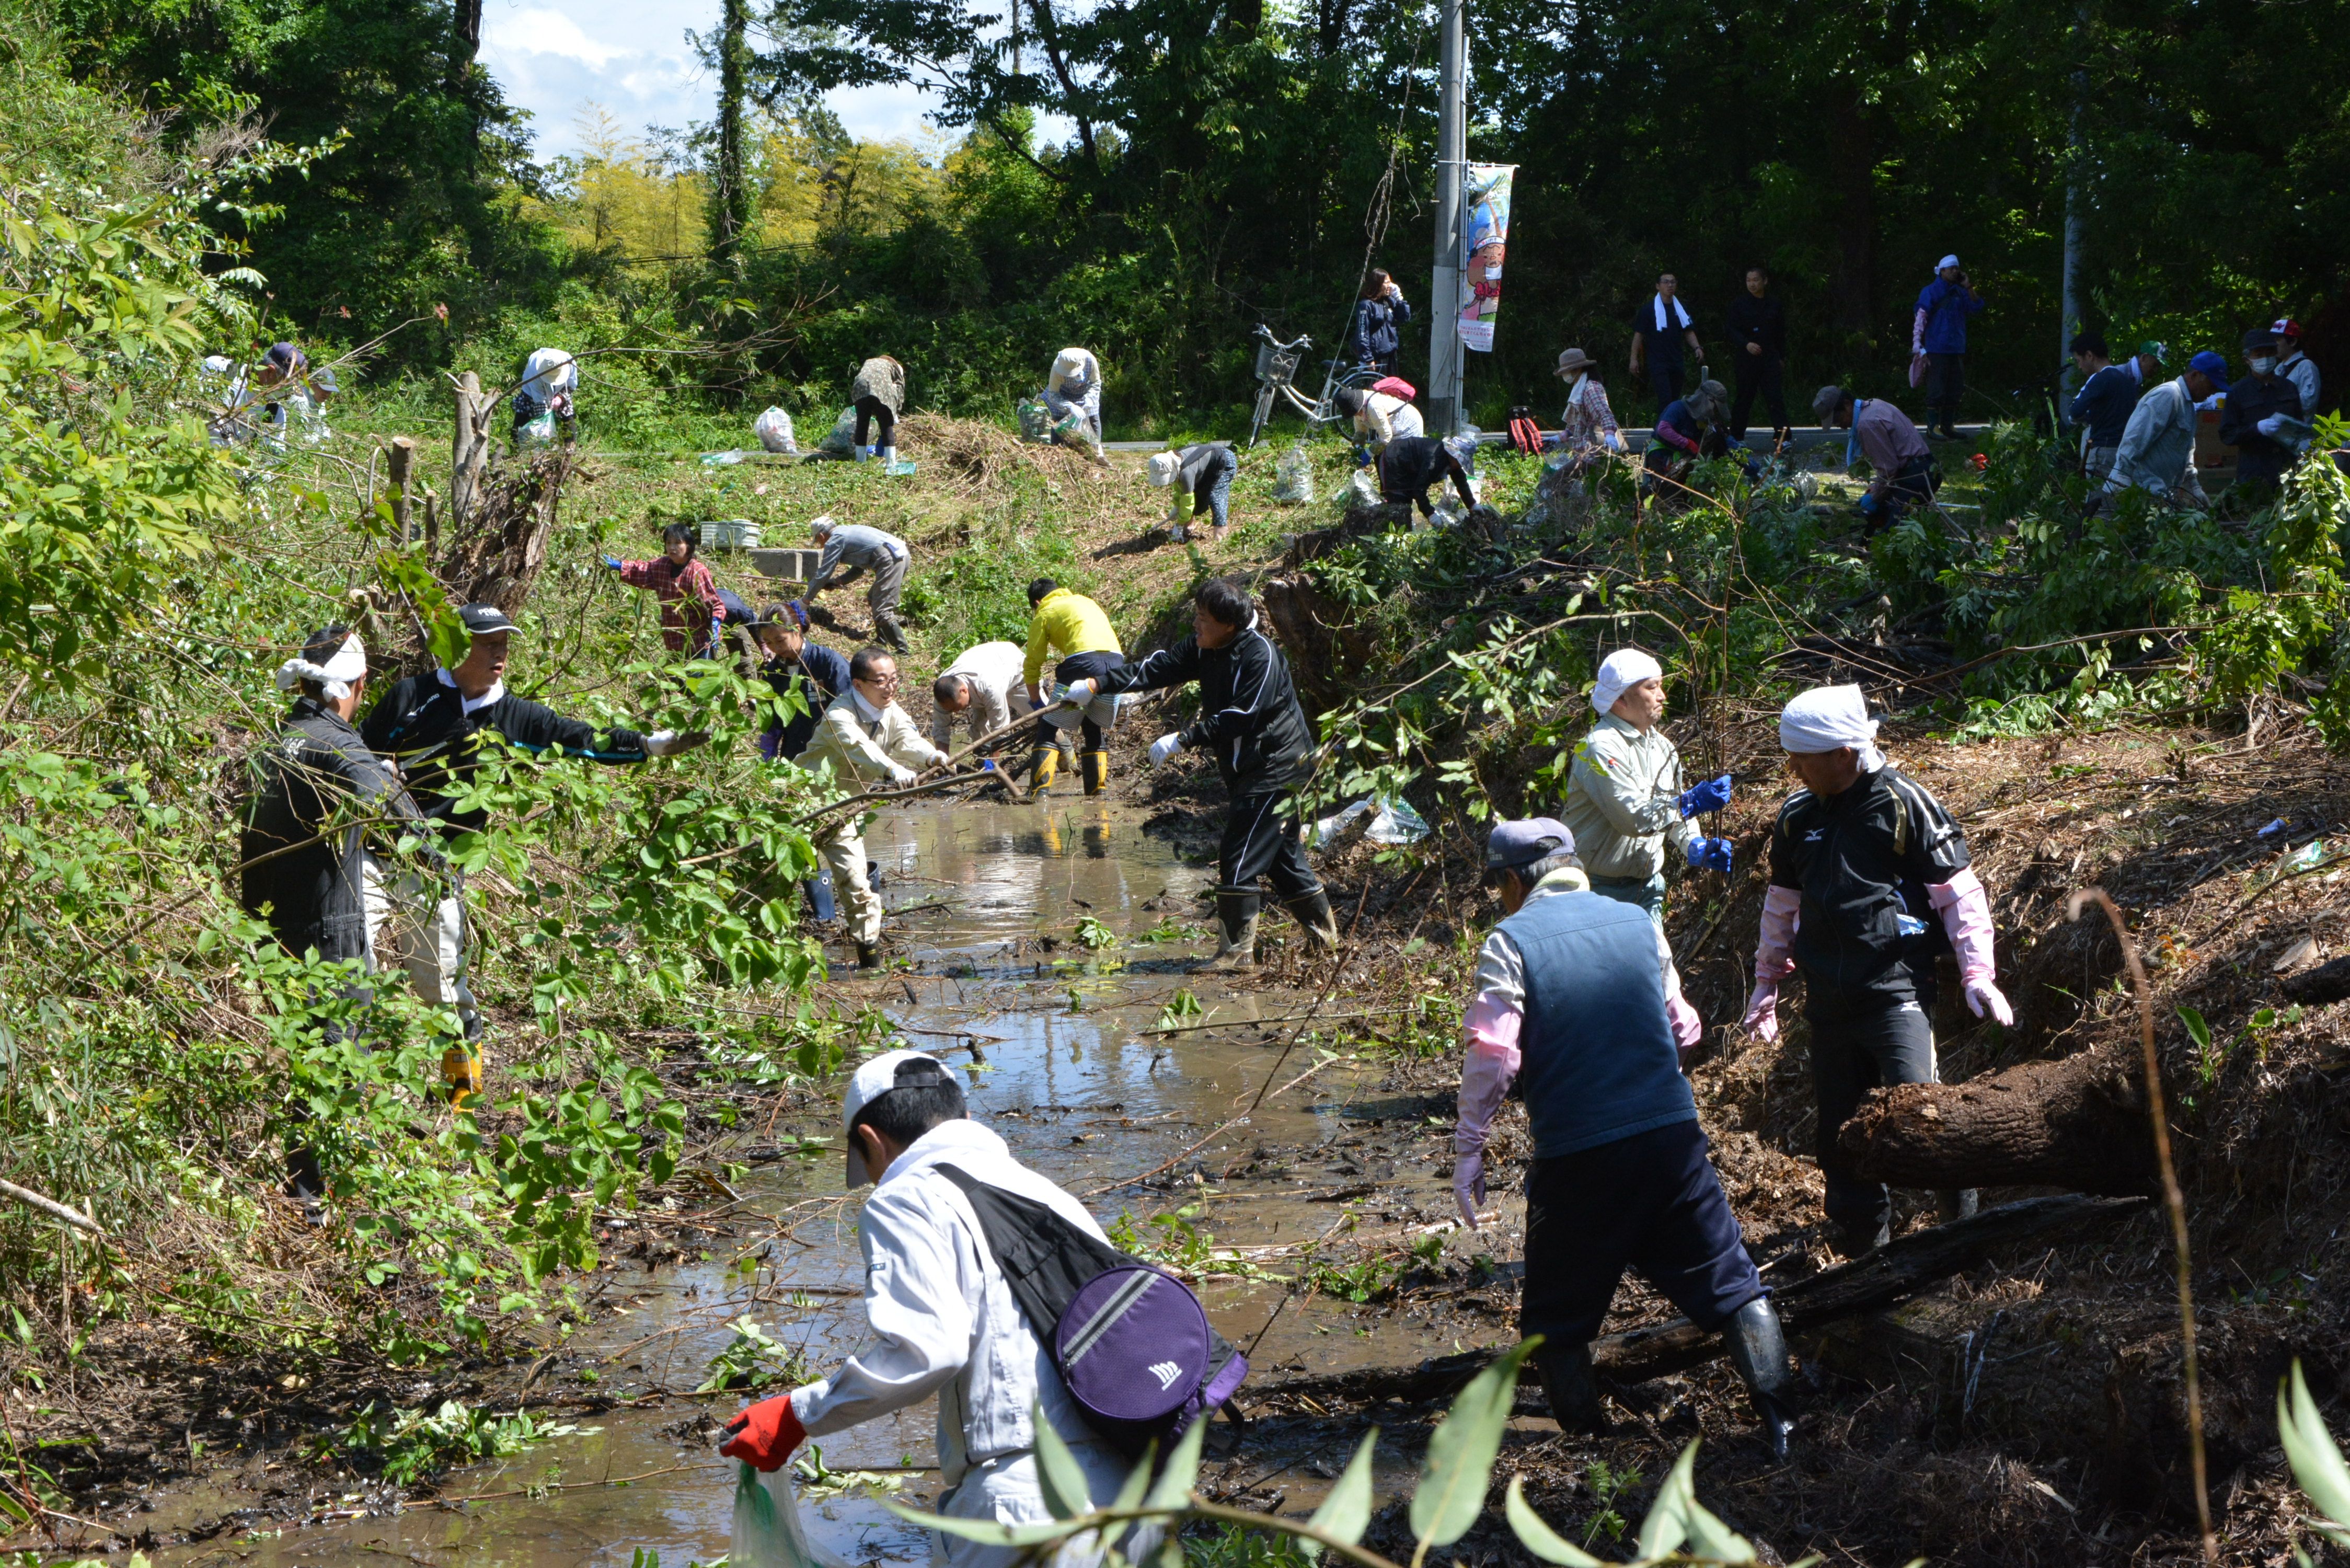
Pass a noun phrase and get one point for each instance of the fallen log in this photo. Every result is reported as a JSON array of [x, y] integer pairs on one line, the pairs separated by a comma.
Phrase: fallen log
[[2079, 1123], [1882, 1279]]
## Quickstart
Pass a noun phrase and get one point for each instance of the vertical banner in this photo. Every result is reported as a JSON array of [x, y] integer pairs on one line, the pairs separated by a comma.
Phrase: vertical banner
[[1484, 240]]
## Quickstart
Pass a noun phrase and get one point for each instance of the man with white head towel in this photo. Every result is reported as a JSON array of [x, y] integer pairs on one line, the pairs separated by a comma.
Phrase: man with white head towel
[[1862, 858], [1624, 799]]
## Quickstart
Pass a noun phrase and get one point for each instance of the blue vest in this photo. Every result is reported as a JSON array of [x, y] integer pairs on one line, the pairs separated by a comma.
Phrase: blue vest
[[1597, 1058]]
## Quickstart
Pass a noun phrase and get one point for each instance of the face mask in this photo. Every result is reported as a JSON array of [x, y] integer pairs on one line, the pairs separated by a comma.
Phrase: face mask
[[2262, 364]]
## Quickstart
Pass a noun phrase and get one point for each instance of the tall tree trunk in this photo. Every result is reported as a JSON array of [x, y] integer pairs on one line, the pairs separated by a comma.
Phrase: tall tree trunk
[[1852, 173], [730, 200]]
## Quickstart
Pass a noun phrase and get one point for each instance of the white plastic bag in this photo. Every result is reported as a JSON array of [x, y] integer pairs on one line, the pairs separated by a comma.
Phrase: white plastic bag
[[1036, 419], [1396, 822], [1362, 489], [536, 431], [843, 437], [775, 431], [1292, 477], [768, 1533]]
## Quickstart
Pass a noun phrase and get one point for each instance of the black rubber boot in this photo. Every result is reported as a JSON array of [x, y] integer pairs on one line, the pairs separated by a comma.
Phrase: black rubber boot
[[1963, 1203], [867, 956], [1236, 912], [886, 628], [1094, 768], [1573, 1392], [1758, 1348], [1313, 912]]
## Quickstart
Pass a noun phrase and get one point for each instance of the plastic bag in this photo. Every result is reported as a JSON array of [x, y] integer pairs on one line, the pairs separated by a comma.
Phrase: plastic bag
[[1036, 419], [1395, 822], [843, 436], [775, 431], [536, 431], [768, 1533], [1071, 431], [1362, 489], [1292, 477]]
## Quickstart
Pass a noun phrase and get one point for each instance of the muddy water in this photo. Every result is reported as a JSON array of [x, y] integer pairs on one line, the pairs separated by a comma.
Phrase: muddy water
[[1055, 1039]]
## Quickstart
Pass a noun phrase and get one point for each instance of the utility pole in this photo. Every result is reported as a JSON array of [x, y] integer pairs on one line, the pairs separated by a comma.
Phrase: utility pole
[[1444, 287]]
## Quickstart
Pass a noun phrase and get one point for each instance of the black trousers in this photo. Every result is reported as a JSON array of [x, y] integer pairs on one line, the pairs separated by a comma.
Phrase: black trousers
[[1946, 383], [1759, 373], [1650, 1202], [871, 408], [1087, 666], [1664, 380], [1261, 840], [1853, 1052]]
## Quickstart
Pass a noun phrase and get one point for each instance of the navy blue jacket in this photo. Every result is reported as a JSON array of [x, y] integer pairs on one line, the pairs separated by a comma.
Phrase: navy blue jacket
[[2104, 403], [422, 725], [826, 670], [1377, 332], [1596, 1058]]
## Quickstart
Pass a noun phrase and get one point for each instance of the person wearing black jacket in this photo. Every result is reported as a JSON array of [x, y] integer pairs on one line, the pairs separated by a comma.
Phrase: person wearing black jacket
[[1757, 336], [821, 672], [2255, 421], [303, 846], [1250, 720], [1410, 464], [1375, 337], [430, 727]]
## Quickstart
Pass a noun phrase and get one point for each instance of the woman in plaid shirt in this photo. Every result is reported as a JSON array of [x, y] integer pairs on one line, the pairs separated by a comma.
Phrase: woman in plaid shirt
[[691, 609]]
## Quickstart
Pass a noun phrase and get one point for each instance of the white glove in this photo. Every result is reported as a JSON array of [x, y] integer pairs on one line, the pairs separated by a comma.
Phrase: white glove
[[670, 742], [1164, 747], [1077, 694], [2270, 425], [1982, 996], [900, 774], [1762, 1014]]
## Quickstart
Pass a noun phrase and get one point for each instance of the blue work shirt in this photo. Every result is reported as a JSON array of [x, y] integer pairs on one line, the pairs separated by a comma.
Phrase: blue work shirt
[[1947, 307]]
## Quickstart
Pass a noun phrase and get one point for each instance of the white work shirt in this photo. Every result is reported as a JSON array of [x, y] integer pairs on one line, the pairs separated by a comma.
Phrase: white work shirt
[[2158, 448], [998, 694], [548, 371], [1623, 798], [944, 1320]]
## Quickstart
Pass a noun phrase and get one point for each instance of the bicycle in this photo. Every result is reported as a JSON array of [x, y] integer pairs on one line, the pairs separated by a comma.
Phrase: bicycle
[[1276, 375]]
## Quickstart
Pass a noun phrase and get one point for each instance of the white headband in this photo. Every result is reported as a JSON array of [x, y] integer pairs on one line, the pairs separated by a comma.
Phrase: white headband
[[1828, 719], [334, 677], [1619, 673]]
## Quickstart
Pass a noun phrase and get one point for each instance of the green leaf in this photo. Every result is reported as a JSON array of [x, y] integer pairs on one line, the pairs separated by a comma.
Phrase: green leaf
[[2197, 1030], [1346, 1513], [2309, 1447], [1461, 1452], [1137, 1481], [1677, 1516], [1174, 1488], [1537, 1537], [1064, 1481]]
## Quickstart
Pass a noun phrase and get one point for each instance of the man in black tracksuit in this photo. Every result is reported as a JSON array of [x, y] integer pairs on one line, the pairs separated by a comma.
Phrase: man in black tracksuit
[[1249, 719], [1757, 324], [431, 726]]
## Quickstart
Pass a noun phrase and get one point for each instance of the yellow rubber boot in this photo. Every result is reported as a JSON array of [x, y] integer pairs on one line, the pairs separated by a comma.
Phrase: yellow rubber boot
[[1095, 767], [1044, 762], [461, 1074]]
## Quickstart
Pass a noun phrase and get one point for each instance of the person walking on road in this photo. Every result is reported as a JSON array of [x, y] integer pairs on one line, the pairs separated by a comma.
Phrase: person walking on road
[[1757, 325], [864, 738], [1661, 330], [1626, 799], [1938, 332], [945, 1321], [1871, 881], [852, 547], [1068, 624], [794, 661], [982, 689], [1200, 479], [693, 611], [1573, 1003], [1250, 720], [877, 393], [1375, 337], [430, 727]]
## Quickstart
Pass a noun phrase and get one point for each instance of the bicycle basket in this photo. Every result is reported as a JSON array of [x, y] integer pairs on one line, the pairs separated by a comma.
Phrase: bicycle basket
[[1278, 364]]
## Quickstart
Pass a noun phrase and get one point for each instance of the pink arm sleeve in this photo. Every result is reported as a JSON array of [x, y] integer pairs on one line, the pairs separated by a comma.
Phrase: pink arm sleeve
[[1775, 950], [1966, 915], [1487, 1065]]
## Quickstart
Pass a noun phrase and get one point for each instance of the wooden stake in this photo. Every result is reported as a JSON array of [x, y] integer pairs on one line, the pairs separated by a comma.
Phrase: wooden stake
[[403, 454]]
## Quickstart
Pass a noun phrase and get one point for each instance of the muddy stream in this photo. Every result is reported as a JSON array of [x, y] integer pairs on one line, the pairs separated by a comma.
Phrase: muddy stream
[[1057, 1048]]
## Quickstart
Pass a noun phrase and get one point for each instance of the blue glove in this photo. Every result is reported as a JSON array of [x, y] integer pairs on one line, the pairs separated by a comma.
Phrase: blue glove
[[1872, 507], [1710, 855], [613, 562], [1710, 795]]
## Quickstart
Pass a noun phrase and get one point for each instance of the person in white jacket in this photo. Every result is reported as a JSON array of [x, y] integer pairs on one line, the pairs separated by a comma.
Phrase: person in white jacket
[[983, 688], [1379, 416], [864, 737], [944, 1320], [550, 381]]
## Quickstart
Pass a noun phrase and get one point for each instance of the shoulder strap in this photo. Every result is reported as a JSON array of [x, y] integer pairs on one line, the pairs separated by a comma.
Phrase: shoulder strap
[[1045, 1259]]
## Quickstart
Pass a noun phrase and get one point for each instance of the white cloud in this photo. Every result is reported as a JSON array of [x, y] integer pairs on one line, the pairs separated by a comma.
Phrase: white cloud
[[546, 33]]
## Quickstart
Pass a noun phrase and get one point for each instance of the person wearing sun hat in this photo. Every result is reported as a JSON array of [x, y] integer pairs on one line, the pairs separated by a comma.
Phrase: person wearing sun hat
[[1573, 1001], [1625, 797], [1870, 883], [1587, 427], [942, 1318]]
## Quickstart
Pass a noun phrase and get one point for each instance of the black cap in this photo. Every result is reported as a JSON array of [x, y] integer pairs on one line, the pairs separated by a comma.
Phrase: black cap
[[481, 618], [2258, 339]]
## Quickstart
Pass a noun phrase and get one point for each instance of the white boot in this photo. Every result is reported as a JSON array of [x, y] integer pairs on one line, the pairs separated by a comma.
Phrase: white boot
[[889, 454], [863, 453]]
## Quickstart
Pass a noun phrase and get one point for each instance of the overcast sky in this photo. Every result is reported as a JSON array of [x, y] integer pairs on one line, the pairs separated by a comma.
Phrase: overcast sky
[[630, 55]]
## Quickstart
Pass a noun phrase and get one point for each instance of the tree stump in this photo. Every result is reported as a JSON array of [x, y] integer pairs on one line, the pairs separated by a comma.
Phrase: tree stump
[[2079, 1123]]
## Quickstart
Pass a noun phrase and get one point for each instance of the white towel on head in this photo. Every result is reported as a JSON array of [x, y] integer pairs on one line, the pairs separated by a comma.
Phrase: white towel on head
[[1677, 308], [1828, 719], [335, 676], [1619, 671]]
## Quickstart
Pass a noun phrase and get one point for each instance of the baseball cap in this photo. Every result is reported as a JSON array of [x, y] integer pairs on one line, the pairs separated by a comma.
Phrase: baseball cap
[[2159, 352], [1515, 843], [2285, 327], [481, 618], [2211, 366], [2259, 337], [890, 1070]]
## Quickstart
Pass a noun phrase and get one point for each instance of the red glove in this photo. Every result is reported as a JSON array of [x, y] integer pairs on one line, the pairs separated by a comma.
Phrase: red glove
[[763, 1436]]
